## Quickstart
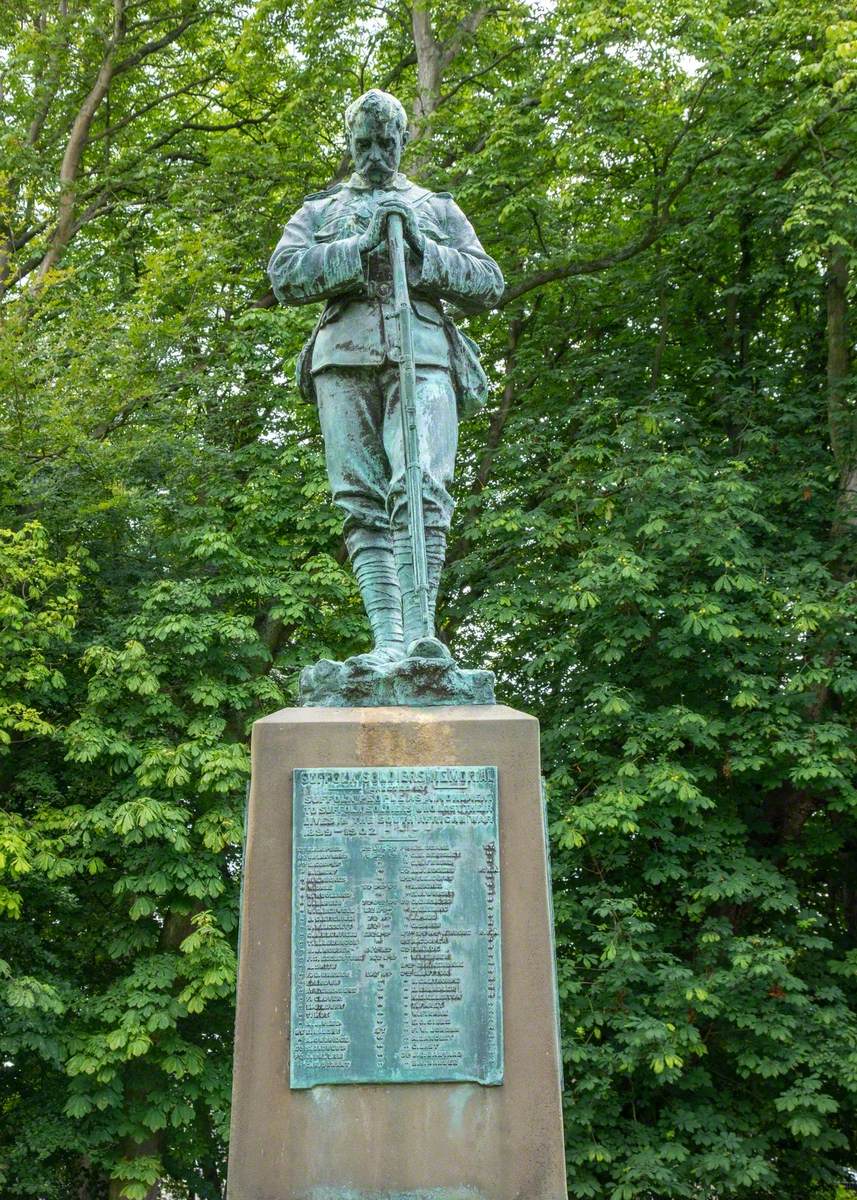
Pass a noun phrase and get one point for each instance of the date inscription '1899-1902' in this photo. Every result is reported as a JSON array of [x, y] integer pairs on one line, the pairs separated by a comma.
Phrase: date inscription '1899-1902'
[[396, 926]]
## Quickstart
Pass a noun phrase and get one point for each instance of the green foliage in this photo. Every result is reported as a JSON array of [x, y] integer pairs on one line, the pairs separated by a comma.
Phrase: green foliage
[[653, 549]]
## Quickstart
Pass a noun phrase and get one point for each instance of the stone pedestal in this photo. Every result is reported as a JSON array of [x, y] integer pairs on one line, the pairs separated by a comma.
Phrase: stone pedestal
[[420, 1141]]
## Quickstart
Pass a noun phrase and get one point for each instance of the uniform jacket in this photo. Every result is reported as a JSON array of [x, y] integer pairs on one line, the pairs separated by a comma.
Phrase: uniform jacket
[[317, 258]]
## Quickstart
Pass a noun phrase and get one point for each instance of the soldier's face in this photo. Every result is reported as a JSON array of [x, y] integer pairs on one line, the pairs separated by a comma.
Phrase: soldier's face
[[376, 147]]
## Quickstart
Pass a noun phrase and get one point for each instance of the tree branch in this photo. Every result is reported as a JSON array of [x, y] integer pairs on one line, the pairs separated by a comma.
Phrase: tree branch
[[110, 130], [158, 44], [465, 28], [501, 416], [603, 262], [51, 87], [465, 79], [76, 143]]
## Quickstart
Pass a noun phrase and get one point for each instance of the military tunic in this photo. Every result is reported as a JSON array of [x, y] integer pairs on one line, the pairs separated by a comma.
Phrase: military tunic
[[349, 366]]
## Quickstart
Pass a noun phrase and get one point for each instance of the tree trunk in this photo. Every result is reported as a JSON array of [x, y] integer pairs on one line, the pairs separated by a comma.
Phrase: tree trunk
[[131, 1149], [501, 416], [91, 1184], [435, 56], [76, 144], [842, 421], [428, 65]]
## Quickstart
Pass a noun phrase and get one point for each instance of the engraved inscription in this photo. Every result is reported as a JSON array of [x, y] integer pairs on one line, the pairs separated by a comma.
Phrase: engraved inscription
[[396, 926]]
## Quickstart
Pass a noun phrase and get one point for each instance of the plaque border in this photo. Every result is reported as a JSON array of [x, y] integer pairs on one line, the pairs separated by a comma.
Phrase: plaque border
[[493, 1079]]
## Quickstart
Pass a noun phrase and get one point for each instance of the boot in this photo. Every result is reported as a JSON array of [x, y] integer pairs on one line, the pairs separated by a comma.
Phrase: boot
[[417, 644], [378, 582]]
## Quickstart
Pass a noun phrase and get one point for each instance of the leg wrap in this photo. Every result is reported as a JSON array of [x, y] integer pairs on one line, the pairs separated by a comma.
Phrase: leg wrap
[[435, 555], [378, 582]]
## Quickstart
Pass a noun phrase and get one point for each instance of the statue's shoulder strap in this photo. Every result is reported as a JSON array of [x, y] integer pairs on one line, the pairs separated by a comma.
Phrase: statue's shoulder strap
[[417, 195], [324, 193], [430, 196]]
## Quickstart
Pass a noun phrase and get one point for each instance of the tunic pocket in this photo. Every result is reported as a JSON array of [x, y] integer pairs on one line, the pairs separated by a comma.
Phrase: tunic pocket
[[427, 311], [332, 313], [343, 225]]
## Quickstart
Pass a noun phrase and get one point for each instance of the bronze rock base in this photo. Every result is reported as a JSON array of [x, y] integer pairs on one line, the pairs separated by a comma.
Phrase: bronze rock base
[[420, 682]]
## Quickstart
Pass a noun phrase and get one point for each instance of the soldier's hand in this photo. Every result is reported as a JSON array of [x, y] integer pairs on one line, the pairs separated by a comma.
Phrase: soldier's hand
[[375, 234], [414, 235]]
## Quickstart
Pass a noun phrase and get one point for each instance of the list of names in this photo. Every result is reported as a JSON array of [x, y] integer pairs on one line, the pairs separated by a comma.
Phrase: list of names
[[396, 972]]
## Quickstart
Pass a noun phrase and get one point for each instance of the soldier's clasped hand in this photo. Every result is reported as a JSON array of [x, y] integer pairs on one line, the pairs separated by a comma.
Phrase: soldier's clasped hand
[[376, 234]]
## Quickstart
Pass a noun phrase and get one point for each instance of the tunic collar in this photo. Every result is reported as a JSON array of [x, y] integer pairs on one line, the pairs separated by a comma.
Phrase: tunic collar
[[399, 182]]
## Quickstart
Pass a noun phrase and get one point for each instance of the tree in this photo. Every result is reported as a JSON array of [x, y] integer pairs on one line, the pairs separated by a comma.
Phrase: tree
[[653, 548]]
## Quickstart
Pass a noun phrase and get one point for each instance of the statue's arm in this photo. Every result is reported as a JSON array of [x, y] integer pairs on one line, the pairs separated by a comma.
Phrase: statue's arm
[[302, 270], [458, 269]]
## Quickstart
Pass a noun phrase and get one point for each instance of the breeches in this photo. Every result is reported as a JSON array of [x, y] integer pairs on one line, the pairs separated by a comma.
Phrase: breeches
[[361, 420]]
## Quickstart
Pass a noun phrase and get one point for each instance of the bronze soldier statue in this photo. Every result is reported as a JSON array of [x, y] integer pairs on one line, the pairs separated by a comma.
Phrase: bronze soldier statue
[[336, 249]]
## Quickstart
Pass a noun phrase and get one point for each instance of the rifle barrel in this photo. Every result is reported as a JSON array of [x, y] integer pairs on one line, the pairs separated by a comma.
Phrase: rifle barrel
[[410, 428]]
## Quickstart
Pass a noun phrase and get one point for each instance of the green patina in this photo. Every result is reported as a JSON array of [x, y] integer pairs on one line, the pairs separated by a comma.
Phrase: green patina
[[396, 965], [390, 374]]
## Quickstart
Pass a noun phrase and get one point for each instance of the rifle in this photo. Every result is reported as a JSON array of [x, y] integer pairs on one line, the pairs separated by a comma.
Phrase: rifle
[[410, 430]]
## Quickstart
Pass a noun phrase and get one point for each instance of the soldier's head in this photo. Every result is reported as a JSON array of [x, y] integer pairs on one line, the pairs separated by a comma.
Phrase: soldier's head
[[377, 129]]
